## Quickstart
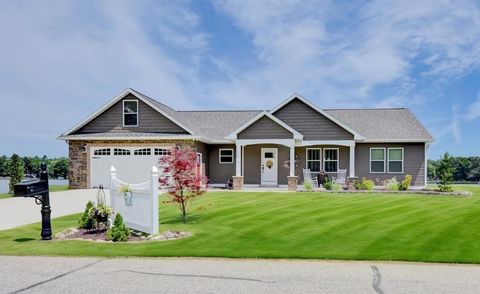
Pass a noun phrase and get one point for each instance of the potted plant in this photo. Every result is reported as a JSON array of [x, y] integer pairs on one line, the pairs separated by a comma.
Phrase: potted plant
[[100, 216], [127, 194]]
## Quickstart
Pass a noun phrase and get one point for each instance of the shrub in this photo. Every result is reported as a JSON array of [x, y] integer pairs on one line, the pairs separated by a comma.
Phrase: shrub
[[308, 186], [445, 170], [85, 221], [392, 184], [337, 187], [100, 215], [364, 184], [328, 184], [119, 232], [405, 184]]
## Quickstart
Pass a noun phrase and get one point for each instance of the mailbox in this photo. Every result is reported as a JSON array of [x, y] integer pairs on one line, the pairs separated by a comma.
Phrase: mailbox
[[38, 189], [30, 188]]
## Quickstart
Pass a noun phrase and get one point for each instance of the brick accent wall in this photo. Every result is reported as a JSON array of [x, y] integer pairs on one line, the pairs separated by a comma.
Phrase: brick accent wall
[[79, 156]]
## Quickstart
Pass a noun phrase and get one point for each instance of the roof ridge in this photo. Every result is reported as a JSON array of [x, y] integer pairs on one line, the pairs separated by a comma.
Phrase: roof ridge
[[380, 108], [222, 110]]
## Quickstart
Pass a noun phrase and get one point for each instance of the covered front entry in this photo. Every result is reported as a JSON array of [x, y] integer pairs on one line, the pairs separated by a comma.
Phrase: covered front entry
[[269, 167]]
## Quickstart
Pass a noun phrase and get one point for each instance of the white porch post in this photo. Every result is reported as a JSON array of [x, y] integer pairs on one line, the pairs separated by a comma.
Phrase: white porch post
[[238, 160], [292, 160], [352, 161]]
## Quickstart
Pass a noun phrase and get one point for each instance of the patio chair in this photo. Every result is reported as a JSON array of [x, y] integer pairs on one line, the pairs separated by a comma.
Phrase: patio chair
[[341, 177], [307, 177]]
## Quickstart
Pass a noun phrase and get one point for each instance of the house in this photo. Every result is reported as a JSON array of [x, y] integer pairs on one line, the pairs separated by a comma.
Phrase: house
[[254, 147]]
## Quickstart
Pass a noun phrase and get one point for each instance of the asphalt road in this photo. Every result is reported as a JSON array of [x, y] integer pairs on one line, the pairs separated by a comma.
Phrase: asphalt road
[[199, 275]]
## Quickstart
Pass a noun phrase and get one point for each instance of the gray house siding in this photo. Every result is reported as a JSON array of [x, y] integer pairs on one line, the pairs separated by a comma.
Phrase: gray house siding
[[265, 128], [219, 173], [252, 163], [203, 149], [343, 159], [414, 163], [149, 121], [310, 123]]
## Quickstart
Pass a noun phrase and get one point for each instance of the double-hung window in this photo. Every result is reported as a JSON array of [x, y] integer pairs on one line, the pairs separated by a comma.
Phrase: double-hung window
[[330, 160], [377, 160], [314, 159], [395, 160], [225, 156], [130, 113]]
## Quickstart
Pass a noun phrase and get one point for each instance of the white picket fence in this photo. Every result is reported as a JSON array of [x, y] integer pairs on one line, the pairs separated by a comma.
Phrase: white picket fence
[[142, 215]]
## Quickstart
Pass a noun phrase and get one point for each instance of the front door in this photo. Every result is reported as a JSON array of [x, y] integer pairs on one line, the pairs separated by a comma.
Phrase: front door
[[269, 166]]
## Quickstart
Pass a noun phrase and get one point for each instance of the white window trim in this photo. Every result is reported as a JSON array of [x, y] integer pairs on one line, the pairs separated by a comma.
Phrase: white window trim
[[307, 160], [123, 112], [403, 159], [384, 159], [199, 156], [337, 160], [220, 155]]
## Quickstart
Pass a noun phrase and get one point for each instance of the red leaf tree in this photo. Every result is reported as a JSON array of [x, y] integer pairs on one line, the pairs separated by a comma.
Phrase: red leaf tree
[[185, 173]]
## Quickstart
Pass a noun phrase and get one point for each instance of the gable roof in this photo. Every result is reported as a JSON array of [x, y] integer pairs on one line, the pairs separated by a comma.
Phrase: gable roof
[[233, 135], [161, 108], [355, 134], [383, 125]]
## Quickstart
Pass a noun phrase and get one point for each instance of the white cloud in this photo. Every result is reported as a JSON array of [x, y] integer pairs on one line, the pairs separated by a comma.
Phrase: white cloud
[[473, 110]]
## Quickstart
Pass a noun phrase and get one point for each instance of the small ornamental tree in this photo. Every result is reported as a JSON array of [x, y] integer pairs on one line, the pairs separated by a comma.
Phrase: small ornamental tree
[[15, 171], [445, 170], [185, 178]]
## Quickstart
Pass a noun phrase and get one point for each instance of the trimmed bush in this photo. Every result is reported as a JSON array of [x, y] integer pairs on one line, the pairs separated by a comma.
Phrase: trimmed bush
[[328, 184], [405, 184], [392, 184], [364, 184], [85, 221], [308, 186], [119, 232], [337, 187]]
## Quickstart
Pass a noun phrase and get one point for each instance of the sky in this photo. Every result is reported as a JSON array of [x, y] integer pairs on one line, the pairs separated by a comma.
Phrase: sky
[[62, 60]]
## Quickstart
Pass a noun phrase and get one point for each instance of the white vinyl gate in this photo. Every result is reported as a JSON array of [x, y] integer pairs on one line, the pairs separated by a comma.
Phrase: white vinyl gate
[[132, 163], [142, 213]]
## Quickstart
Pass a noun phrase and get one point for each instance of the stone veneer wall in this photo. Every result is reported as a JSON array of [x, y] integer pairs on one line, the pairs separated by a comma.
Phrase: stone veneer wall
[[79, 166]]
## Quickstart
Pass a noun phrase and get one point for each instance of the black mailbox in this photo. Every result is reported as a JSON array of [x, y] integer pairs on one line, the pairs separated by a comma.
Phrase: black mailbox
[[38, 189], [30, 188]]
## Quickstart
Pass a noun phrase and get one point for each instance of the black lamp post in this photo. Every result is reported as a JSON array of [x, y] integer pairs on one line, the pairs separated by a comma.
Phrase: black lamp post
[[38, 189]]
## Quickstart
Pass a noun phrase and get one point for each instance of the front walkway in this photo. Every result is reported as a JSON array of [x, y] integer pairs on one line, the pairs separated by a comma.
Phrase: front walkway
[[21, 211]]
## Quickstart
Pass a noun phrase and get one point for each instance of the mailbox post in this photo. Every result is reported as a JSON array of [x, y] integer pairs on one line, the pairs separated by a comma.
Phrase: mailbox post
[[38, 189]]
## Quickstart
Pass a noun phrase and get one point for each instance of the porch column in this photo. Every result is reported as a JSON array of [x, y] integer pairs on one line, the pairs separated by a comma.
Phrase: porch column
[[352, 161], [292, 161], [238, 160]]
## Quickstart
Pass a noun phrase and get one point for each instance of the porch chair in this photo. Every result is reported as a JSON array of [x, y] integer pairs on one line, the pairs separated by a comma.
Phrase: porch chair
[[341, 177], [307, 177]]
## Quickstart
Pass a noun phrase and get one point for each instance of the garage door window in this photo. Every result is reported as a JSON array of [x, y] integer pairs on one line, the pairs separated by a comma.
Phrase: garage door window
[[118, 151], [105, 151], [145, 151], [162, 151]]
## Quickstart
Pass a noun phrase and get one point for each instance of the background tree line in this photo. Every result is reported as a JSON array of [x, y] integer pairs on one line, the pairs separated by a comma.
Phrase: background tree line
[[463, 168], [29, 166]]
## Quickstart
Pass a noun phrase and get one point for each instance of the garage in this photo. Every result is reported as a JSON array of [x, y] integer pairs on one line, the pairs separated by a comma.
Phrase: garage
[[133, 164]]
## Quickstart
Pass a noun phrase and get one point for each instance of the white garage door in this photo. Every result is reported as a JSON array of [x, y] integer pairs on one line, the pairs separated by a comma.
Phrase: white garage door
[[133, 164]]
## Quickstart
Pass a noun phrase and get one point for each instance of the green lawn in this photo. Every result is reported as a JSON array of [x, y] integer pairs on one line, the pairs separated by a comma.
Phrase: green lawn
[[52, 189], [295, 225]]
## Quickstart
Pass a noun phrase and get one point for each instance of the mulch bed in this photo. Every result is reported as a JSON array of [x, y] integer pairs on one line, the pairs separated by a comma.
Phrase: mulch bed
[[100, 235], [96, 235]]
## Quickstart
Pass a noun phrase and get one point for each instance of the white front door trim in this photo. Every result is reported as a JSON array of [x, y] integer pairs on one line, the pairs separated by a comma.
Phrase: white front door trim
[[269, 167]]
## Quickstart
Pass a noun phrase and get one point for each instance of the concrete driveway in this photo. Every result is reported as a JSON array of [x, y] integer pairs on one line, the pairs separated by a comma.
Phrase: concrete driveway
[[20, 211], [201, 275]]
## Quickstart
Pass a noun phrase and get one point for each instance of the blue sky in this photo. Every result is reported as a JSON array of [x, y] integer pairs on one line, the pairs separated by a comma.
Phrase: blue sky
[[61, 60]]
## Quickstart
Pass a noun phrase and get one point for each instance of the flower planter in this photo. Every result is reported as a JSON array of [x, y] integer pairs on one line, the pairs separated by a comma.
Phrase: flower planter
[[127, 196]]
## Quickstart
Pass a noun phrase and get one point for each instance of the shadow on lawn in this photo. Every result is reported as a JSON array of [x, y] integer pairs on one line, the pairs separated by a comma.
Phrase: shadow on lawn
[[22, 240], [191, 219]]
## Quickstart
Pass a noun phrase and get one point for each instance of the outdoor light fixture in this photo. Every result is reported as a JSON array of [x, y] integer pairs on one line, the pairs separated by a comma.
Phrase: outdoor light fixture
[[82, 148]]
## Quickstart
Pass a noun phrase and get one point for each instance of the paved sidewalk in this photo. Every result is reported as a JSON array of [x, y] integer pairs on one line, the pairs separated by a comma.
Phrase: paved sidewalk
[[18, 211], [214, 275]]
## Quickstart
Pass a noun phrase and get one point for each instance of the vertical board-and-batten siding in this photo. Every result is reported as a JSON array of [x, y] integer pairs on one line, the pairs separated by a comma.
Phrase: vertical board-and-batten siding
[[413, 162], [311, 124], [265, 128], [149, 121]]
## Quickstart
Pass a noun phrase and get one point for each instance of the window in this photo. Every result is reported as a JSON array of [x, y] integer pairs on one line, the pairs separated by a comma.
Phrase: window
[[314, 159], [162, 151], [395, 160], [377, 160], [130, 113], [145, 151], [225, 156], [118, 151], [105, 151], [330, 160]]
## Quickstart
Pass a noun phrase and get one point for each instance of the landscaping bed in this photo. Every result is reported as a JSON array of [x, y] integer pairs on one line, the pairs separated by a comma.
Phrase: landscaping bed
[[101, 235], [383, 191]]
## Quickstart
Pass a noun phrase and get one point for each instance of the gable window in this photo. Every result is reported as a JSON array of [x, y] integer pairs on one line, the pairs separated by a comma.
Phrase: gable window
[[395, 160], [377, 160], [330, 160], [130, 113], [314, 159], [225, 156]]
